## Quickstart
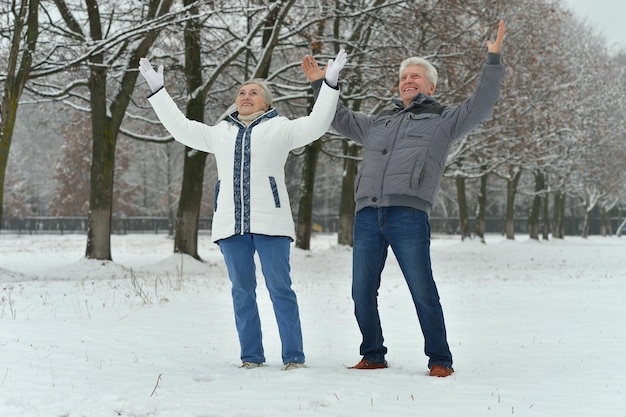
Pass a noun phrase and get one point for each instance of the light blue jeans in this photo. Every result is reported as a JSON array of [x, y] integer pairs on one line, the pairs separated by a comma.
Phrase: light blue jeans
[[407, 231], [273, 251]]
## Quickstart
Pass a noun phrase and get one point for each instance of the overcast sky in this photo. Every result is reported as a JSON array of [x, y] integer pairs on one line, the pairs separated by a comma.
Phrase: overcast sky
[[608, 16]]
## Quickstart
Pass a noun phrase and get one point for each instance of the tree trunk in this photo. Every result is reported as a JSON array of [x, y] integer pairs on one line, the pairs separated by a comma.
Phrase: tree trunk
[[6, 134], [605, 222], [546, 217], [511, 191], [482, 209], [106, 120], [305, 207], [347, 205], [103, 152], [102, 171], [620, 229], [586, 218], [463, 212], [535, 209], [188, 213], [16, 77], [559, 216]]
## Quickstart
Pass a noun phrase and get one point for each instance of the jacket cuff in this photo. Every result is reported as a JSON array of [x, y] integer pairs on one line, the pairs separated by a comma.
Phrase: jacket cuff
[[326, 82], [317, 84], [493, 59], [154, 92]]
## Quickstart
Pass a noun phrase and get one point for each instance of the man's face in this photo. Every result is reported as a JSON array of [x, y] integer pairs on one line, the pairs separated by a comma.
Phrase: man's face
[[412, 82], [250, 100]]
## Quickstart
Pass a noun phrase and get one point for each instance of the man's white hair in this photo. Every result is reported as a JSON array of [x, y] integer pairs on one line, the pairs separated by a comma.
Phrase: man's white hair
[[431, 71]]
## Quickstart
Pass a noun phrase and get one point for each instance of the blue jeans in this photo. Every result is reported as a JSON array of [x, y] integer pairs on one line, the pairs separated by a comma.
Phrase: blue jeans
[[407, 231], [238, 251]]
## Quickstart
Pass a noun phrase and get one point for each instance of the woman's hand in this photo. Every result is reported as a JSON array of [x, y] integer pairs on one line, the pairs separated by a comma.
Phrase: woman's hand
[[154, 78], [313, 72]]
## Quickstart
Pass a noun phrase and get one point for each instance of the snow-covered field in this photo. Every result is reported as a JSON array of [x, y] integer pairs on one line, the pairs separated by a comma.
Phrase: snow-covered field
[[536, 329]]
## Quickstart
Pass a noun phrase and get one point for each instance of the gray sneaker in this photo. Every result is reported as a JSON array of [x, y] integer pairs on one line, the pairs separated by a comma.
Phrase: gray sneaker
[[292, 365], [250, 365]]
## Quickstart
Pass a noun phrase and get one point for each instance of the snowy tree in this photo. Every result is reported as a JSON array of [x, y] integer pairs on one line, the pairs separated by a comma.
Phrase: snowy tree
[[532, 102], [72, 174], [104, 40], [21, 201], [19, 31], [595, 153], [557, 127]]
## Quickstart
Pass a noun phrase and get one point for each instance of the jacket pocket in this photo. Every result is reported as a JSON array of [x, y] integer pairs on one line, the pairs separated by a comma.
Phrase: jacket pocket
[[274, 188], [217, 193], [416, 176]]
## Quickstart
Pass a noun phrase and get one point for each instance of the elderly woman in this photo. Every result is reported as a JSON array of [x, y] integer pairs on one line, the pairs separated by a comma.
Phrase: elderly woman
[[252, 210]]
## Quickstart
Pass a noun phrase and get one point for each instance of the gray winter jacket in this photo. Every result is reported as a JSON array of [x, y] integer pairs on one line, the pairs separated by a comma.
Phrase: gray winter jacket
[[405, 149]]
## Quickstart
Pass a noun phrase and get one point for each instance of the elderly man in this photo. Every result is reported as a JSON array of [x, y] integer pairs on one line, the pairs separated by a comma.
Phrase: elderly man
[[404, 156]]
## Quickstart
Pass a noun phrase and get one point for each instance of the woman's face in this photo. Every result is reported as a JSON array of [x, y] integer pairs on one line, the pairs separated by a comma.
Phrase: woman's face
[[250, 100]]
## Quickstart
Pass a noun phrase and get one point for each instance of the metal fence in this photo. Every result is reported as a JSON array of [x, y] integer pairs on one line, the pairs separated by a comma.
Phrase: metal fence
[[439, 225], [62, 225]]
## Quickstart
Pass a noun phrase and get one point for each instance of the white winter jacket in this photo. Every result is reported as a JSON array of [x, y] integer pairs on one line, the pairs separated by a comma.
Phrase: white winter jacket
[[250, 194]]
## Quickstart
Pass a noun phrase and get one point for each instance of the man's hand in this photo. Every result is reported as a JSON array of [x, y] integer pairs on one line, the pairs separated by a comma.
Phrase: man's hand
[[154, 78], [496, 47], [311, 70]]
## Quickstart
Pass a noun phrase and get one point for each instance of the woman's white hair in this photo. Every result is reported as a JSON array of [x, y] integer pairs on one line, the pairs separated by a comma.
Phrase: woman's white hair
[[265, 90], [431, 71]]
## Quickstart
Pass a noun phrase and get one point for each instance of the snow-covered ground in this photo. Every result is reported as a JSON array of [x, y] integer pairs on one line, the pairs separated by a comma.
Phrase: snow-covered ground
[[536, 329]]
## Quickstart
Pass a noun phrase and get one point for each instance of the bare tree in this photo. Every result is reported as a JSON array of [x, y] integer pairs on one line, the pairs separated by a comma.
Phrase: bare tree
[[557, 127], [595, 122], [109, 50], [71, 197], [528, 121], [21, 26]]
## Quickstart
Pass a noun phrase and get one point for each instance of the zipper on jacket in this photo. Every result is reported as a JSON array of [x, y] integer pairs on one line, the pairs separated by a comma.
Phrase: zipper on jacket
[[388, 154], [241, 181]]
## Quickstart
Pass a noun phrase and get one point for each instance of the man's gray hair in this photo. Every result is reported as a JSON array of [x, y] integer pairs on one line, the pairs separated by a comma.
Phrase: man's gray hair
[[265, 90], [431, 71]]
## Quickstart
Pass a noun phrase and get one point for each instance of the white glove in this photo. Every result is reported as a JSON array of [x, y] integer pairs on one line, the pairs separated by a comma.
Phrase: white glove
[[154, 78], [334, 67]]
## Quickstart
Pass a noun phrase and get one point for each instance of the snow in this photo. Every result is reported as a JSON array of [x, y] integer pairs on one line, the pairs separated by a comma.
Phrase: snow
[[536, 329]]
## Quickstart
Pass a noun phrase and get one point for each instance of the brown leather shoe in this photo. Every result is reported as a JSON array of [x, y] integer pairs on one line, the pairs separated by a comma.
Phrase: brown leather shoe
[[441, 371], [366, 364]]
